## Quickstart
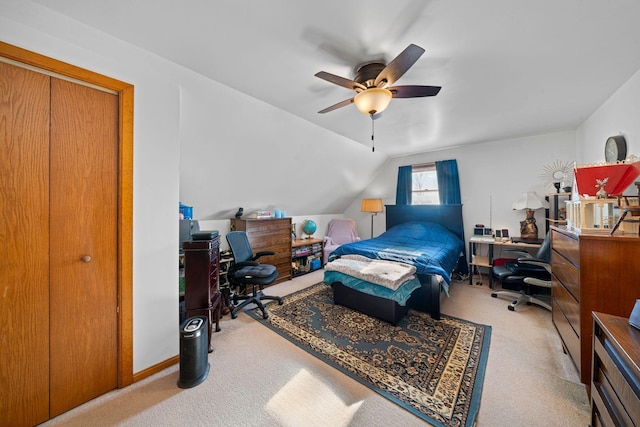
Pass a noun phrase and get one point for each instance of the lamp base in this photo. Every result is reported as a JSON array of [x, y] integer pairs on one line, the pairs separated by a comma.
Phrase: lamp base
[[528, 227]]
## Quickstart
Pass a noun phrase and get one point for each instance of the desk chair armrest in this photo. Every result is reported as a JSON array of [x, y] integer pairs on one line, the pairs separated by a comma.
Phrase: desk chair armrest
[[532, 260], [536, 261], [261, 254], [517, 253], [537, 282]]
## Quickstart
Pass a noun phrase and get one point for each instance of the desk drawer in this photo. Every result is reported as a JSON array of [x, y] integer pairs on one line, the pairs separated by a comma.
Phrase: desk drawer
[[567, 273], [566, 246]]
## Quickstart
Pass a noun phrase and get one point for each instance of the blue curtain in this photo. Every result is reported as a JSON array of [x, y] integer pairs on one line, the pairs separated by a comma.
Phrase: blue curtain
[[448, 182], [449, 191], [403, 190]]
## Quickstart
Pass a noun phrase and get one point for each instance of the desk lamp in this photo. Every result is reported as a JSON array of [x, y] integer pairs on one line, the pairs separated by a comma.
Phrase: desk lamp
[[529, 201], [371, 205]]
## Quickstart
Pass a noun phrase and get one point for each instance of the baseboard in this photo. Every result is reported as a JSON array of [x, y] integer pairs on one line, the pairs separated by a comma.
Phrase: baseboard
[[138, 376]]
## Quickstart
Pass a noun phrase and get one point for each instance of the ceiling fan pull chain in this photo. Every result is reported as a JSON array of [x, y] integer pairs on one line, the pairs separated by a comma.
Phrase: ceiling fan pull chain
[[373, 143]]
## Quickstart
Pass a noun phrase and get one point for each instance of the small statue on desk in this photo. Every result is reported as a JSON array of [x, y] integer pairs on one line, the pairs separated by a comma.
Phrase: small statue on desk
[[528, 227], [239, 213]]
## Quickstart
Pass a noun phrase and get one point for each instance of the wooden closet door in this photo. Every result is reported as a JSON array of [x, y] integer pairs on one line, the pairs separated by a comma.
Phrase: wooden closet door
[[83, 230], [24, 246]]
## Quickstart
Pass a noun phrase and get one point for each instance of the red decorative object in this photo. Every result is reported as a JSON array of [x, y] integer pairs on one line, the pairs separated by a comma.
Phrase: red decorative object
[[620, 177]]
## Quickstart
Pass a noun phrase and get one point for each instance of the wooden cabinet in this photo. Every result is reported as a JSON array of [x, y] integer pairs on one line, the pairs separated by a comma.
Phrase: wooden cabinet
[[615, 385], [202, 281], [306, 255], [591, 272], [269, 234]]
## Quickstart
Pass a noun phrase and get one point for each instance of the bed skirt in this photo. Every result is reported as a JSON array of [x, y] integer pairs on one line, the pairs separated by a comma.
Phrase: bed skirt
[[371, 305], [426, 299]]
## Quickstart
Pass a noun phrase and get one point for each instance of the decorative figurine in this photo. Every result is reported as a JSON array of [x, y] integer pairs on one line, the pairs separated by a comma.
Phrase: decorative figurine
[[239, 213], [528, 227], [602, 193]]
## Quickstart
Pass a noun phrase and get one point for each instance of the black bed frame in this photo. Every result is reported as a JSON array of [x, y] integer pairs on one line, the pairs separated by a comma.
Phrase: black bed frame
[[427, 297]]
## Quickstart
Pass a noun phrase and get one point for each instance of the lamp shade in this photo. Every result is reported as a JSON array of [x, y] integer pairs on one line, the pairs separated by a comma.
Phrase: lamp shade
[[373, 100], [530, 201], [371, 205]]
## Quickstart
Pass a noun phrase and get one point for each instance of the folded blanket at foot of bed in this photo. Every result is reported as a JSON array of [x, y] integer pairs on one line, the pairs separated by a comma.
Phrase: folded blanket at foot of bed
[[389, 274], [400, 295]]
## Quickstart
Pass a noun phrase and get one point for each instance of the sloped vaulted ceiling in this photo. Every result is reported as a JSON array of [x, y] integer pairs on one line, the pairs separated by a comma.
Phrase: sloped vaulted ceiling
[[506, 68]]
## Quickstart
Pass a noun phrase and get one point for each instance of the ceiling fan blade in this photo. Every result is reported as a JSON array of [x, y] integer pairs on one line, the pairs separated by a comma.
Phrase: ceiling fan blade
[[413, 91], [340, 81], [400, 64], [336, 106]]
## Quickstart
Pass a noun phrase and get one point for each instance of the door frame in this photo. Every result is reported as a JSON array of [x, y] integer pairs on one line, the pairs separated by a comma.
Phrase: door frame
[[125, 190]]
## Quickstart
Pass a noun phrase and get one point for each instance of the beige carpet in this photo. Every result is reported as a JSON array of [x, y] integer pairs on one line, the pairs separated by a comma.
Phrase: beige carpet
[[258, 378]]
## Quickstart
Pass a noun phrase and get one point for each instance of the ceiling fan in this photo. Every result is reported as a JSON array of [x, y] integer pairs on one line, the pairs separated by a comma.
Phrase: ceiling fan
[[372, 81]]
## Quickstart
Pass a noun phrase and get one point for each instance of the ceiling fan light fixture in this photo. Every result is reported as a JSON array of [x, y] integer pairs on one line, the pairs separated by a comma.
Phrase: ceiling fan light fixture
[[373, 100]]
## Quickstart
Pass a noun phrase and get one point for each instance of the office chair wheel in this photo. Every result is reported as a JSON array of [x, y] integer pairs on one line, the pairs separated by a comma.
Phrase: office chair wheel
[[280, 301], [494, 295], [511, 308], [234, 315], [265, 315]]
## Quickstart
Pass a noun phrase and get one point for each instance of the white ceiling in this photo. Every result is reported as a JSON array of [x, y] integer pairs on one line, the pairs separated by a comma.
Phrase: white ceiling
[[507, 68]]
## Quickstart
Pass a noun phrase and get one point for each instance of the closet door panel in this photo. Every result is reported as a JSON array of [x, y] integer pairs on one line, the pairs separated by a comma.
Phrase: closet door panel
[[24, 246], [84, 153]]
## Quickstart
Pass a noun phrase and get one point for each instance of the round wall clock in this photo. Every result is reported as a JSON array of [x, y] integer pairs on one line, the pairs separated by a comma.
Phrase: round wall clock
[[615, 149]]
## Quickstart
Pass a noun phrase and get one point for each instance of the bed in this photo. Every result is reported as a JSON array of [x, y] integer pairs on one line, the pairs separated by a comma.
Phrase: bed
[[434, 256]]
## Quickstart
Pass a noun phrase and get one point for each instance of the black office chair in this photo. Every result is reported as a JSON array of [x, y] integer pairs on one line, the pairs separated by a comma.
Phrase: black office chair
[[527, 278], [247, 271]]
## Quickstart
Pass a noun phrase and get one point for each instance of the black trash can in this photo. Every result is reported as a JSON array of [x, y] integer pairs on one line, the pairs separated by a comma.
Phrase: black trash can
[[194, 361]]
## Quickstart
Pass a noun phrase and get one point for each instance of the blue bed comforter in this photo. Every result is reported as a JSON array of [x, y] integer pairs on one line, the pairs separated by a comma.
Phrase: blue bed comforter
[[429, 246]]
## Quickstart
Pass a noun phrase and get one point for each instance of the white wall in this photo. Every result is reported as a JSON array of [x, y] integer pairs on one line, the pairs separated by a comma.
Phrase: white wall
[[619, 114], [237, 151], [492, 176]]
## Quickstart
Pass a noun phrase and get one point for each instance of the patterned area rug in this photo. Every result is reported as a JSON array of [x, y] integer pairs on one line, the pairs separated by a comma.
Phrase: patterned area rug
[[434, 369]]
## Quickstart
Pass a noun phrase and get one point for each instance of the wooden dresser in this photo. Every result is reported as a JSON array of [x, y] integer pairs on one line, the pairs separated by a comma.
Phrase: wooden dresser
[[591, 272], [615, 385], [269, 234]]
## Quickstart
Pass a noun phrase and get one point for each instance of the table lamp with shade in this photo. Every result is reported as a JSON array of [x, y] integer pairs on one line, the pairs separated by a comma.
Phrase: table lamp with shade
[[374, 206], [529, 201]]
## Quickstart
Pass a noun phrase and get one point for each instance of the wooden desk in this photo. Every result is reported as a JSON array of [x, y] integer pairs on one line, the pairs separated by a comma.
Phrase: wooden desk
[[487, 261]]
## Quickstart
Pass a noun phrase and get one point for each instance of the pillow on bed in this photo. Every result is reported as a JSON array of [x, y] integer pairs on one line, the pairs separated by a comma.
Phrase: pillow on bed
[[420, 232]]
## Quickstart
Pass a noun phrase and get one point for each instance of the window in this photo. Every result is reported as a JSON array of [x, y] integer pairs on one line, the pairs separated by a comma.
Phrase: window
[[424, 188]]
